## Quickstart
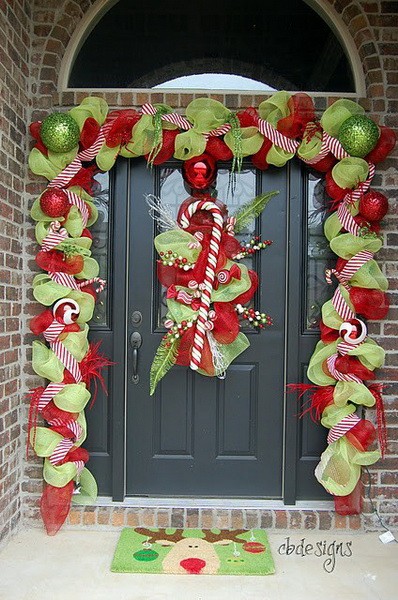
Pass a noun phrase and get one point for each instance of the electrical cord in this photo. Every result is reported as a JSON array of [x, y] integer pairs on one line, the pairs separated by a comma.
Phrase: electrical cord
[[368, 491]]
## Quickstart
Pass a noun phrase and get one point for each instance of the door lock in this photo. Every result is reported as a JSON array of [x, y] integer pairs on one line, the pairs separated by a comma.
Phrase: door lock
[[136, 318]]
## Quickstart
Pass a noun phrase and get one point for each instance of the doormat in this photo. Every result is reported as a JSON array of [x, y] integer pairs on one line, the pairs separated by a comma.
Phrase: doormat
[[193, 552]]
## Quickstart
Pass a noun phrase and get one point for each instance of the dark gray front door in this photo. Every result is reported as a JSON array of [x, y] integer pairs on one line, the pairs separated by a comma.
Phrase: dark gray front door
[[199, 436]]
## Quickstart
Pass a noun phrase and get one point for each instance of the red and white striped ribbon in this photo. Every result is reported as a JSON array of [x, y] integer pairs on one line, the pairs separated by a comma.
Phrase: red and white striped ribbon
[[63, 447], [75, 200], [56, 234], [218, 131], [79, 466], [344, 348], [53, 331], [331, 144], [51, 390], [174, 118], [70, 282], [71, 424], [63, 178], [363, 187], [67, 359], [346, 219], [337, 374], [354, 264], [230, 226], [344, 276], [277, 138], [342, 427], [61, 450], [210, 271]]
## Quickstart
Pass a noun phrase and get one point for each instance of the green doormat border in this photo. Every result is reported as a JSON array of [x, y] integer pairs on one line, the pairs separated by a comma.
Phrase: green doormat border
[[193, 551]]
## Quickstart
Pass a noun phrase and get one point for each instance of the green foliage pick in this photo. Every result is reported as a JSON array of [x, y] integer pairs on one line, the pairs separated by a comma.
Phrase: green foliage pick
[[164, 359], [251, 210]]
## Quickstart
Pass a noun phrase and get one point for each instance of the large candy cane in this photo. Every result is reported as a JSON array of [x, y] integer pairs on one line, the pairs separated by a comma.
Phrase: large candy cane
[[210, 271]]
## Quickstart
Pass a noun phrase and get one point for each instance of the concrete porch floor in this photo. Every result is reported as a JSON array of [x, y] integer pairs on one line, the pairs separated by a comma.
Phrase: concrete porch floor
[[76, 565]]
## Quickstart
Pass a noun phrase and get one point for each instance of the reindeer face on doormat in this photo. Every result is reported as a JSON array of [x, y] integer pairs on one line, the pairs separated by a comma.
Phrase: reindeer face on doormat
[[193, 552]]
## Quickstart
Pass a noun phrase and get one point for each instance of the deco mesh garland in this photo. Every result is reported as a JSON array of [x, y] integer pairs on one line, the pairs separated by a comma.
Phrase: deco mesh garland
[[207, 288]]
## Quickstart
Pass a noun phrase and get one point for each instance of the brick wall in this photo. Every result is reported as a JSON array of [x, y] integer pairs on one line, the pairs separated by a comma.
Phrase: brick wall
[[15, 22], [372, 25]]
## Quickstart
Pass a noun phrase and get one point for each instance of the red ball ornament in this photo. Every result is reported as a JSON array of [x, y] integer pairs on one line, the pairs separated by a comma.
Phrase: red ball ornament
[[253, 547], [373, 206], [54, 202]]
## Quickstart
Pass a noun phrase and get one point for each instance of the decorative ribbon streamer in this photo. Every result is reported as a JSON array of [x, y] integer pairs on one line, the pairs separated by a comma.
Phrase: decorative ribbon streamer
[[66, 444], [230, 226], [61, 450], [346, 219], [53, 331], [63, 178], [277, 138], [342, 427], [56, 234], [51, 335], [210, 271], [337, 374], [75, 200], [51, 390], [352, 266], [174, 118], [67, 359]]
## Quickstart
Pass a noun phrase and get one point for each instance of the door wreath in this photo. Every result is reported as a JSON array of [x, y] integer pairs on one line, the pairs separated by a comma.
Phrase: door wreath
[[207, 288]]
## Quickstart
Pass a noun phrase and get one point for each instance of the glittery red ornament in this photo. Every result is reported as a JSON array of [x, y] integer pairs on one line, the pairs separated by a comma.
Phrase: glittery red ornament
[[54, 202], [373, 206]]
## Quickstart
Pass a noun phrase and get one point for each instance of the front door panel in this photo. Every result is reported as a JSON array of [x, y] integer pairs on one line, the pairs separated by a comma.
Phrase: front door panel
[[201, 436]]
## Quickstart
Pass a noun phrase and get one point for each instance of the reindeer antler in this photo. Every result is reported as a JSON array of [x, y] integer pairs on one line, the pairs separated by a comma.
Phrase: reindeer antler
[[160, 534], [225, 534]]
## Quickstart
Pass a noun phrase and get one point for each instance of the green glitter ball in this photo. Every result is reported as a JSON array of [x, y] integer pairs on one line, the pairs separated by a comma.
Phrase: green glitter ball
[[60, 132], [358, 135]]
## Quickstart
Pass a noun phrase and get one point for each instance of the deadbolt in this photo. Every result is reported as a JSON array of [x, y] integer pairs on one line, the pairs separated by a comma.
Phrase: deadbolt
[[136, 318]]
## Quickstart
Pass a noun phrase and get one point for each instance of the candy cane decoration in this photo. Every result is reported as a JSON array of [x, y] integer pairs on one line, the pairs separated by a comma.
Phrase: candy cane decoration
[[210, 271]]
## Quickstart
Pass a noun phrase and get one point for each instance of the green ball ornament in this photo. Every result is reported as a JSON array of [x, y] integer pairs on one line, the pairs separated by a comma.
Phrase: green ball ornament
[[358, 135], [60, 132]]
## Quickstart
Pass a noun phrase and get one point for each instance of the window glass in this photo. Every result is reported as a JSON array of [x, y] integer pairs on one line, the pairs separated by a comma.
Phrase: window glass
[[100, 249], [285, 45], [319, 255]]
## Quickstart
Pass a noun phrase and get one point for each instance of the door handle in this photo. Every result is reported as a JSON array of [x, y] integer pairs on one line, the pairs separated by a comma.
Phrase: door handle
[[135, 342]]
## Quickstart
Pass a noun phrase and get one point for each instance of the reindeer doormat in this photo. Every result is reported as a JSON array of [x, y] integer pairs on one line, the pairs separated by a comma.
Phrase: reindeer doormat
[[193, 552]]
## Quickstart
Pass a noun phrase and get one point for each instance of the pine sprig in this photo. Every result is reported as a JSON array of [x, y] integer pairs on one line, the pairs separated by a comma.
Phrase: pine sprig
[[251, 210], [165, 358]]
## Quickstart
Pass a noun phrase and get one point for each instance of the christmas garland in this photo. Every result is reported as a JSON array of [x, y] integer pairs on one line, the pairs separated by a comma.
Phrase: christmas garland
[[72, 147]]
